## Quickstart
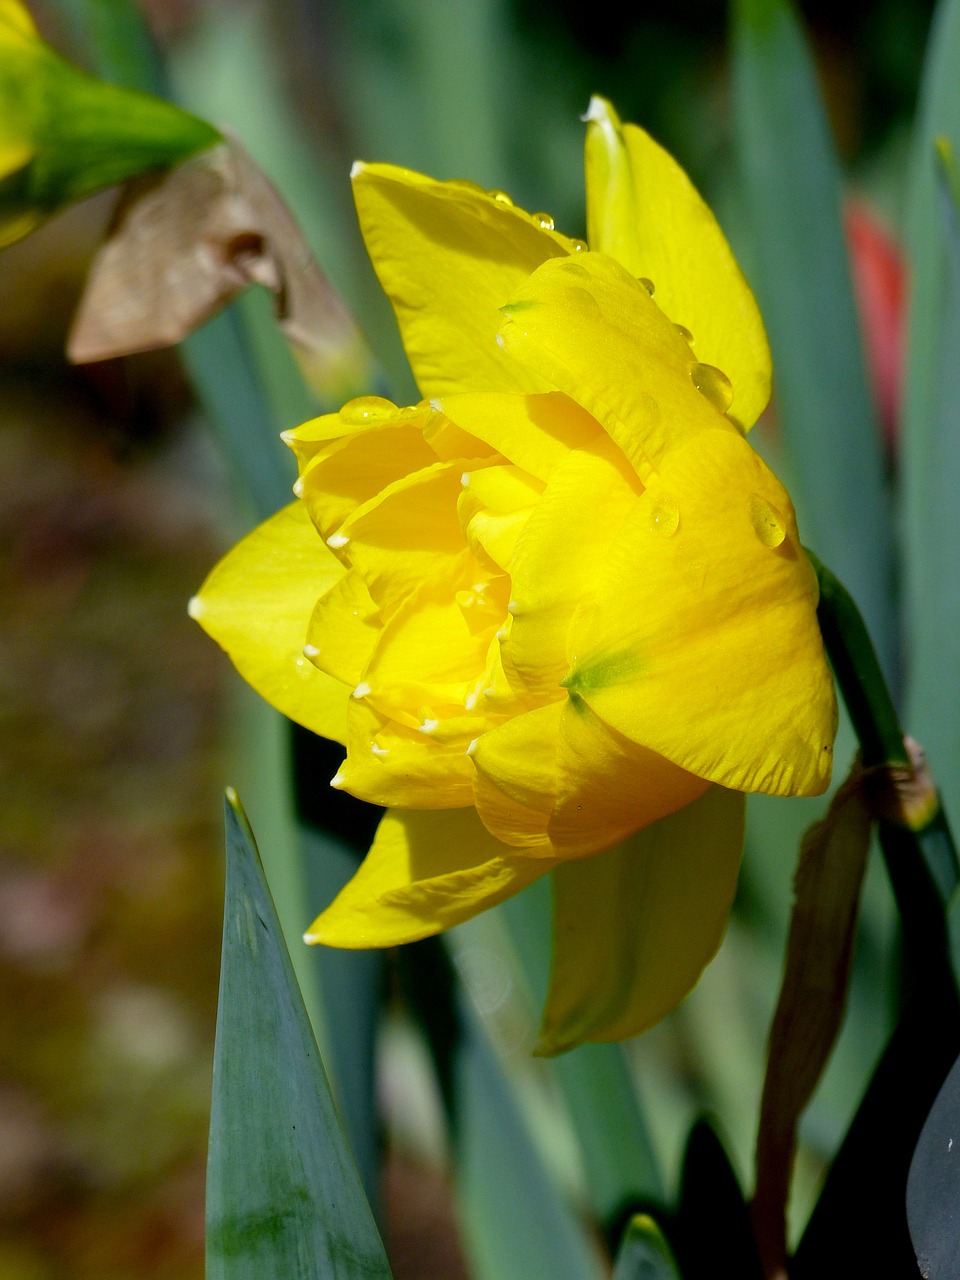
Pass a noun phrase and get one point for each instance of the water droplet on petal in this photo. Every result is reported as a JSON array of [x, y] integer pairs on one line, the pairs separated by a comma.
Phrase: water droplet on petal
[[303, 668], [575, 269], [664, 515], [714, 384], [647, 284], [583, 301], [684, 332], [544, 220], [501, 197], [768, 524], [579, 246], [365, 409]]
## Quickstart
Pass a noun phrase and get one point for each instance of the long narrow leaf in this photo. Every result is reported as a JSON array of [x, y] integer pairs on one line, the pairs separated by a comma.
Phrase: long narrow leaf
[[792, 191], [283, 1194], [644, 1254], [938, 115], [934, 466], [616, 1148], [516, 1226]]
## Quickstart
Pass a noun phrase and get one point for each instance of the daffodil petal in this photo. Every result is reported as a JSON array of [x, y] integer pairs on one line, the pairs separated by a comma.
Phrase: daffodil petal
[[431, 650], [634, 927], [396, 766], [343, 630], [595, 333], [426, 871], [257, 603], [535, 432], [448, 255], [516, 780], [643, 210], [350, 472], [407, 534], [608, 787], [701, 641], [554, 564], [356, 417]]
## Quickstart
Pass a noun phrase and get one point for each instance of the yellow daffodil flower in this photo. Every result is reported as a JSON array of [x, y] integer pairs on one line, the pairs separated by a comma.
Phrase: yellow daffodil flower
[[558, 612], [64, 135]]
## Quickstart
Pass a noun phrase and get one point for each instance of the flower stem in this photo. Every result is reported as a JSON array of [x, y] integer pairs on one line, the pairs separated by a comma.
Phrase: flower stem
[[921, 826]]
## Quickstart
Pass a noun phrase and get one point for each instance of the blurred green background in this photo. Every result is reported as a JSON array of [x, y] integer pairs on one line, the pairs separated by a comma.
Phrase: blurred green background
[[119, 719]]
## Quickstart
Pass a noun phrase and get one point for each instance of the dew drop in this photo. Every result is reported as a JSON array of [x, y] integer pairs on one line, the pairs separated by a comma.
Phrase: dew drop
[[647, 284], [543, 220], [684, 332], [583, 301], [768, 523], [575, 269], [501, 197], [664, 515], [303, 667], [367, 409], [579, 246], [714, 384]]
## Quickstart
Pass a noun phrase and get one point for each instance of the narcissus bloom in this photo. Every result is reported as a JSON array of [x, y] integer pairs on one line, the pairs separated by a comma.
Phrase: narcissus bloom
[[558, 612], [64, 134]]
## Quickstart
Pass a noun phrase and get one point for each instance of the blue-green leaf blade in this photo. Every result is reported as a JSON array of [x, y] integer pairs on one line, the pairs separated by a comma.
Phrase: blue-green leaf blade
[[644, 1253], [283, 1194], [791, 179], [938, 115], [932, 473]]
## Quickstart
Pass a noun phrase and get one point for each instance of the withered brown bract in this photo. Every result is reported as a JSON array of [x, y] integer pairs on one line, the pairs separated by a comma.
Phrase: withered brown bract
[[185, 242]]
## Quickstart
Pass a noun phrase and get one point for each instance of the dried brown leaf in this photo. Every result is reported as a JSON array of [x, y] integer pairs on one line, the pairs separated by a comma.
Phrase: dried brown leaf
[[184, 243], [813, 994]]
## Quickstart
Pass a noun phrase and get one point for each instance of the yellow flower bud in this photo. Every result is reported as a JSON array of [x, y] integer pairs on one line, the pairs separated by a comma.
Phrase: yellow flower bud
[[558, 612], [64, 135]]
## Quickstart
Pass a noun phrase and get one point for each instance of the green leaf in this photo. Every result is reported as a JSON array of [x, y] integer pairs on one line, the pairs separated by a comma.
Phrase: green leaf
[[938, 115], [933, 469], [616, 1148], [644, 1253], [516, 1226], [792, 195], [713, 1234], [283, 1194]]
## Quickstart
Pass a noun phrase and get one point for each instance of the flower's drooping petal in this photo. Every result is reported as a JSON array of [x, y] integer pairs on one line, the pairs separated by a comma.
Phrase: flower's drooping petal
[[516, 784], [535, 432], [702, 641], [349, 472], [607, 786], [595, 333], [643, 210], [426, 871], [555, 562], [448, 255], [396, 766], [634, 927], [343, 630], [257, 603]]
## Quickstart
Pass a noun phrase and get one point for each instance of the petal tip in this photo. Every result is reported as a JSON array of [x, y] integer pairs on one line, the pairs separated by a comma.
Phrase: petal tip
[[196, 608]]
